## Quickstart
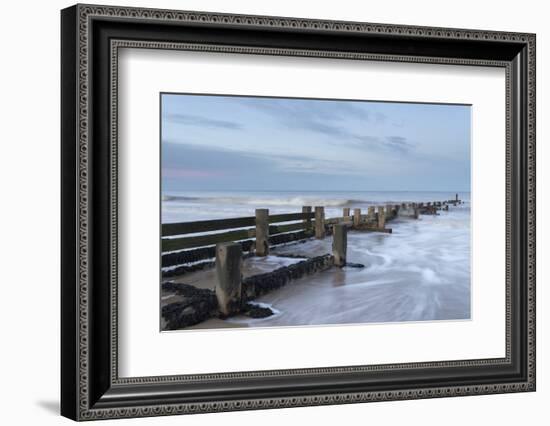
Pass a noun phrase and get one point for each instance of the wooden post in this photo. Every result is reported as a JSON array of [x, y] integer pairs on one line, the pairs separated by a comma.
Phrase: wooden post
[[229, 274], [356, 217], [456, 197], [262, 232], [389, 211], [319, 222], [416, 212], [345, 212], [381, 217], [371, 213], [339, 244], [307, 222]]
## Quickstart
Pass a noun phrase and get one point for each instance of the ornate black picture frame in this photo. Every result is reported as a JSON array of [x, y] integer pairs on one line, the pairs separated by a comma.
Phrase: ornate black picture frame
[[91, 37]]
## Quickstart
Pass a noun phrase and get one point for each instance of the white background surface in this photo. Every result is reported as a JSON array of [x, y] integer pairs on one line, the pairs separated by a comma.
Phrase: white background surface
[[29, 172], [141, 345]]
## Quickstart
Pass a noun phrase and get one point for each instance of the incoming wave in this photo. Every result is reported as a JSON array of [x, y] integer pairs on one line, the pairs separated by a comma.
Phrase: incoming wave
[[291, 201], [179, 198]]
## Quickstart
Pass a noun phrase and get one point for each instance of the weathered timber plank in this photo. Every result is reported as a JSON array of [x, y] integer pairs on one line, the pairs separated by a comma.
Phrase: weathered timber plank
[[196, 254], [371, 228], [287, 217], [169, 229], [348, 221], [290, 237], [203, 253], [182, 228], [279, 229], [171, 244]]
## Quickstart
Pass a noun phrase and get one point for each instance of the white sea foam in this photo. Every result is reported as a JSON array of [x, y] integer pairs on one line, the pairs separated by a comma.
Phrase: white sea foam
[[241, 319], [189, 206]]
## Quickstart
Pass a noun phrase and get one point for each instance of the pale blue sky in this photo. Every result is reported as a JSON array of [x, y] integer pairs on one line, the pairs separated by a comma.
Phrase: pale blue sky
[[226, 143]]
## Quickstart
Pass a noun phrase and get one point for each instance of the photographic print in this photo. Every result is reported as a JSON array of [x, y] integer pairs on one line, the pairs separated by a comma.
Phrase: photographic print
[[266, 185], [300, 212]]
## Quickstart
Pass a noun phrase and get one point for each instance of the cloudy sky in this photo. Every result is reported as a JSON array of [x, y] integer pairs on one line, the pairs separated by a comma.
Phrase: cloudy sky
[[225, 143]]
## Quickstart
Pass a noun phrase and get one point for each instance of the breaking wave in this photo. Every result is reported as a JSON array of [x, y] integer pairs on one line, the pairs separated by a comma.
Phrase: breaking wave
[[179, 198], [257, 201], [191, 206]]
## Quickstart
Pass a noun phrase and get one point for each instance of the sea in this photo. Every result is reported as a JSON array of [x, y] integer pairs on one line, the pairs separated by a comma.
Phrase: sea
[[419, 272]]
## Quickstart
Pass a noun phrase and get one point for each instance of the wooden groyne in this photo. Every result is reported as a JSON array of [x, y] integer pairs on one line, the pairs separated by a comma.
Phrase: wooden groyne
[[223, 244]]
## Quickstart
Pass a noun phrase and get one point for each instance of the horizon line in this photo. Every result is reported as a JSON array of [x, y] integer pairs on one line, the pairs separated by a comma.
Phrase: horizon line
[[322, 190]]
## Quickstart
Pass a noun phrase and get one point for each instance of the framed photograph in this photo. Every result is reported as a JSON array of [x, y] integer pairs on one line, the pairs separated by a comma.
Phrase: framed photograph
[[263, 212]]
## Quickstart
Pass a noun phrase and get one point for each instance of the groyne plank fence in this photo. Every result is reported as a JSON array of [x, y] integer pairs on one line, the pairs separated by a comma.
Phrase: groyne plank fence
[[173, 239], [257, 233]]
